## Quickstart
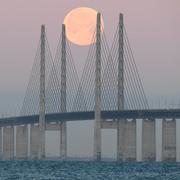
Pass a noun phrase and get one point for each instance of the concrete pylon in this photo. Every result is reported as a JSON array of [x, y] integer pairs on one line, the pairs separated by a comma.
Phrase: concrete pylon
[[8, 143], [148, 140], [63, 128], [129, 145], [169, 140], [121, 122], [22, 142], [177, 140], [41, 153], [1, 143], [34, 141], [97, 125]]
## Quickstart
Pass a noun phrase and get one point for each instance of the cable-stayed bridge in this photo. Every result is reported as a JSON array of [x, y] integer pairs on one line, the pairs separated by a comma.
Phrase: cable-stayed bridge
[[110, 92]]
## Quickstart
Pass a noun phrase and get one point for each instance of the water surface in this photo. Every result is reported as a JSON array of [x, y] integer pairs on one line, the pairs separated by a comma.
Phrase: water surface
[[88, 170]]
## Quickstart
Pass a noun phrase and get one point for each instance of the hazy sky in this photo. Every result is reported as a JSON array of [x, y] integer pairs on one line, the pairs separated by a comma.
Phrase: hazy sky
[[153, 27]]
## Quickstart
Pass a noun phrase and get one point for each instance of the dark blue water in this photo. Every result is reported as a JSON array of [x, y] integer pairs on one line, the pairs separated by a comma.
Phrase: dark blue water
[[74, 170]]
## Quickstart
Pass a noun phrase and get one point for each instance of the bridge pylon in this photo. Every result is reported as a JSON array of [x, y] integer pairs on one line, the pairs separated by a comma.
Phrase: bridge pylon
[[41, 153], [97, 126], [63, 128], [120, 88], [120, 96]]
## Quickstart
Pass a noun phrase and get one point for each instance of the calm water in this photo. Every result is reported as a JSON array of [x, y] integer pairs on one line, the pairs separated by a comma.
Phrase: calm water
[[88, 170]]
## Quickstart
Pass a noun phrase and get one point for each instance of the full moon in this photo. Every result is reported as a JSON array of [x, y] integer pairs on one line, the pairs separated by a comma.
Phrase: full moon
[[80, 25]]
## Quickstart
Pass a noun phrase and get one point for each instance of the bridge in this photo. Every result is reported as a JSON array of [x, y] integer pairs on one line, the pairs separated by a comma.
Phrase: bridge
[[110, 92]]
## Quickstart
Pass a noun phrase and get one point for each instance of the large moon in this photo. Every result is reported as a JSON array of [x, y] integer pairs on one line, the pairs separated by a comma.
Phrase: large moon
[[81, 24]]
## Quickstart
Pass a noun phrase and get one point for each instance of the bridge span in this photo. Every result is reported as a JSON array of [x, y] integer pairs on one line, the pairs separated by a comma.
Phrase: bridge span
[[90, 115], [140, 133]]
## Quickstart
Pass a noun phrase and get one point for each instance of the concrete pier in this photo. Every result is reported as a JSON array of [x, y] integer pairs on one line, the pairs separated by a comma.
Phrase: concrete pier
[[8, 143], [34, 141], [129, 153], [169, 140], [177, 140], [148, 140], [1, 141], [139, 140], [158, 136], [121, 130], [21, 142]]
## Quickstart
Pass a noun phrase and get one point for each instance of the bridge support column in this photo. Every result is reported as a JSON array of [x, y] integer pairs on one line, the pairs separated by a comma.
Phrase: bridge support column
[[22, 142], [121, 139], [158, 135], [97, 123], [169, 140], [129, 136], [139, 140], [121, 123], [1, 143], [8, 143], [34, 141], [177, 140], [63, 128], [148, 140], [41, 153]]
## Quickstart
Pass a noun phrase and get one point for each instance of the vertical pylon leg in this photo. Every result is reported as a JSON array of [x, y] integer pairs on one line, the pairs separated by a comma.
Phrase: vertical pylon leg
[[121, 122], [97, 126], [1, 143], [22, 142], [63, 128], [41, 153], [121, 131]]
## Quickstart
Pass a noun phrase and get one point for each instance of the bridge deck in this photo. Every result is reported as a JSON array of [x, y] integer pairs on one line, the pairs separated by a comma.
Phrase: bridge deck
[[77, 116]]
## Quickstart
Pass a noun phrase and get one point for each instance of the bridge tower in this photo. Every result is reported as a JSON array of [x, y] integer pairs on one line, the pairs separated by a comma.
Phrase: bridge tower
[[120, 105], [97, 126], [63, 136], [41, 153]]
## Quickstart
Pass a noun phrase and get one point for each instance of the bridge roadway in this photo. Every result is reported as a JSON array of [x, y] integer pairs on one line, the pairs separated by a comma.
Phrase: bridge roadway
[[89, 115]]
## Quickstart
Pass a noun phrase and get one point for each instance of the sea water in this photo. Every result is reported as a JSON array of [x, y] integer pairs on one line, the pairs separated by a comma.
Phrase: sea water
[[88, 170]]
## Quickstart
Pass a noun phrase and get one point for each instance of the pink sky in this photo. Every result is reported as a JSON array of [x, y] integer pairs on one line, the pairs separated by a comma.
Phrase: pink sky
[[153, 27]]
